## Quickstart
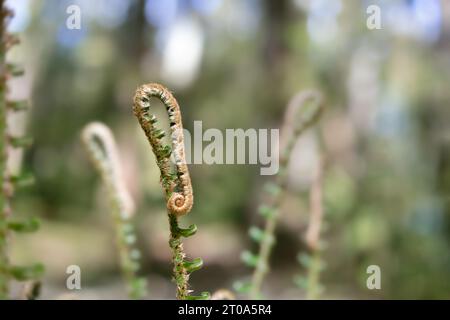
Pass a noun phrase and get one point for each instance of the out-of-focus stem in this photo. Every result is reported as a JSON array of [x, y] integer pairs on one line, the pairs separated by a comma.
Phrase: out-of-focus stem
[[312, 237], [176, 183], [100, 144], [4, 179], [8, 182], [316, 209], [298, 118]]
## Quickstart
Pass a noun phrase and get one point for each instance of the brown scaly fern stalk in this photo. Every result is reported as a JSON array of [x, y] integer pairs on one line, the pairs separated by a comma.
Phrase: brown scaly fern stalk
[[176, 182], [303, 111], [7, 181], [101, 147]]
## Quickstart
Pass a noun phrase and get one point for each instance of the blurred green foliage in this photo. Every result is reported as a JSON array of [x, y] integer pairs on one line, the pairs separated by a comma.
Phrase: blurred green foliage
[[386, 128]]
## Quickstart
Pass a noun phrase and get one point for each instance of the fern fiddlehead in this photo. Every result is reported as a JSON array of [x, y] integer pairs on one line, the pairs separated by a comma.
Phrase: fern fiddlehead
[[100, 145], [8, 181], [175, 182], [302, 112]]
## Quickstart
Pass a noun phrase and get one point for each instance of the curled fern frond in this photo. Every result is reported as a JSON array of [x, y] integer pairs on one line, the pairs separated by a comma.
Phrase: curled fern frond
[[176, 181], [101, 147], [311, 261], [303, 111], [180, 195]]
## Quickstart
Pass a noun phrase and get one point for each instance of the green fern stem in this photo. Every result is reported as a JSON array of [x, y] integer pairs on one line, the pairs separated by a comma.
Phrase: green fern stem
[[310, 282], [100, 144], [313, 234], [175, 179], [312, 261], [4, 261], [8, 182], [313, 277], [180, 273], [303, 111]]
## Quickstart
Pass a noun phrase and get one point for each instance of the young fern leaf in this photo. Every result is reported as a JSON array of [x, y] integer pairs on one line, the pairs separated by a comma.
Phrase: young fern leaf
[[101, 147], [8, 182], [303, 111], [175, 181]]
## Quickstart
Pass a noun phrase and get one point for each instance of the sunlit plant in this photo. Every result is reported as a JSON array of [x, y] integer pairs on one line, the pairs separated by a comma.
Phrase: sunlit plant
[[175, 179], [303, 111], [100, 145]]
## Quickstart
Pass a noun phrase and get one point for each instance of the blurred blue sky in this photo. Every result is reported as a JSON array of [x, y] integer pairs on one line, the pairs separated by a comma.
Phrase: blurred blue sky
[[420, 19]]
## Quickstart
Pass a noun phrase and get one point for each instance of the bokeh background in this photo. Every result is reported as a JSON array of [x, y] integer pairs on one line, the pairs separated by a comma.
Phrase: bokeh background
[[235, 64]]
